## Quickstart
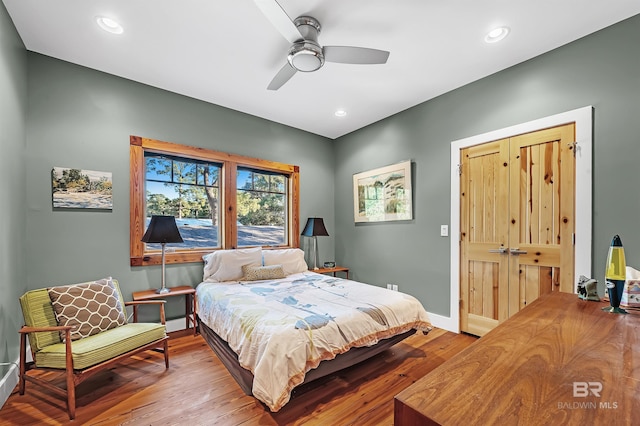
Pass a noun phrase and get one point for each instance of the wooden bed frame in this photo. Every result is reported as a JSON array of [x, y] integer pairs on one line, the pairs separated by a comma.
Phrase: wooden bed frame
[[244, 377]]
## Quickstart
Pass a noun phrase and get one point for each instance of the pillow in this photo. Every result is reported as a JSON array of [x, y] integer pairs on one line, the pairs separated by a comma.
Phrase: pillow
[[257, 272], [226, 265], [292, 260], [91, 307]]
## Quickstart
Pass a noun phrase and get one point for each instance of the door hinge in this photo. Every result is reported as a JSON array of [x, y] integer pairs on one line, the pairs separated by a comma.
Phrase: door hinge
[[459, 167]]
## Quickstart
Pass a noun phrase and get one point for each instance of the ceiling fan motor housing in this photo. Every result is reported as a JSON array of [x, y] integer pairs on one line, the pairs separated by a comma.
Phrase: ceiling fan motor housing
[[306, 54]]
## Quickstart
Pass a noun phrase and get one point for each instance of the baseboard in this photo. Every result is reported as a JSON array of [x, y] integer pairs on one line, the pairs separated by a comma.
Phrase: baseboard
[[8, 383], [446, 323]]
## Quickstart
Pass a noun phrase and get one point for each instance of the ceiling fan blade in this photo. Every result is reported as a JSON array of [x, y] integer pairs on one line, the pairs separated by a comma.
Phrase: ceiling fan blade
[[279, 19], [354, 55], [285, 73]]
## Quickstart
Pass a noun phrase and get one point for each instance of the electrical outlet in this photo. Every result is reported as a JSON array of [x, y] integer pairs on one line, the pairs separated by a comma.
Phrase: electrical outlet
[[394, 287], [444, 230], [389, 286]]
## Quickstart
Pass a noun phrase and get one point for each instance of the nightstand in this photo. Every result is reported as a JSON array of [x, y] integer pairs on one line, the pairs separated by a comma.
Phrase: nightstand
[[332, 270], [189, 293]]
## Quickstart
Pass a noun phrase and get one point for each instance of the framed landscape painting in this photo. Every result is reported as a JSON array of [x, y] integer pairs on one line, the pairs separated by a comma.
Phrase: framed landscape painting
[[383, 194], [81, 189]]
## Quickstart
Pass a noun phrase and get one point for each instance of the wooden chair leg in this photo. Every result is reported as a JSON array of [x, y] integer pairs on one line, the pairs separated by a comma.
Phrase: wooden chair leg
[[23, 362], [71, 384], [166, 353], [71, 395]]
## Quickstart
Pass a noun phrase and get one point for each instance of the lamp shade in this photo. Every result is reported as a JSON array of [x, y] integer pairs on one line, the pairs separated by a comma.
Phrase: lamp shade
[[162, 229], [315, 227]]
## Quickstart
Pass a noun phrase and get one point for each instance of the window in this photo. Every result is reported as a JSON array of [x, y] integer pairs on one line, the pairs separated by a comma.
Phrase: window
[[262, 205], [219, 200]]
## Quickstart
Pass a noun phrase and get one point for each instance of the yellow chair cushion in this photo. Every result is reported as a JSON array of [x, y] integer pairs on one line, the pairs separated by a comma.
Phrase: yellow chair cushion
[[100, 347]]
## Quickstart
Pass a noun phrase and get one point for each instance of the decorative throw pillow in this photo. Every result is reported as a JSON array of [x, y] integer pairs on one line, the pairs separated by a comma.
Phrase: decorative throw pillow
[[292, 260], [257, 272], [91, 307]]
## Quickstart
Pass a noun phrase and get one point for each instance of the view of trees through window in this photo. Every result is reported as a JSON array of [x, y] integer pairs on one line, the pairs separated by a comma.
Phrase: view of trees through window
[[261, 208], [190, 190]]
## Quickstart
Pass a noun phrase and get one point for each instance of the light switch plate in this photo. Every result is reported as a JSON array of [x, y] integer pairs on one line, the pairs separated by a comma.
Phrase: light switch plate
[[444, 230]]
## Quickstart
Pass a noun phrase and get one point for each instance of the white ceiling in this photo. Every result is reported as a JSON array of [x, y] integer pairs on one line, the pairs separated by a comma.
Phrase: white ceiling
[[226, 51]]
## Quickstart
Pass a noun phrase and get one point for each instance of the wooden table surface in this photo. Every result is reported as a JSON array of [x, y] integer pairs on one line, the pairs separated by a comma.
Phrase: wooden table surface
[[561, 360]]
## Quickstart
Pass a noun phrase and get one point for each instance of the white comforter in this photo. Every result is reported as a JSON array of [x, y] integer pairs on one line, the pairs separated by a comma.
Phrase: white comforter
[[281, 329]]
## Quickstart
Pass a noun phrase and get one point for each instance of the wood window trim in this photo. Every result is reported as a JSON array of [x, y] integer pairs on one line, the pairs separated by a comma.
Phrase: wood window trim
[[137, 147]]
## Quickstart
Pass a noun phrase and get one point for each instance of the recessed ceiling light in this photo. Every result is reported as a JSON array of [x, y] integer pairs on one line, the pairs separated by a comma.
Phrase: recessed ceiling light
[[496, 34], [109, 25], [340, 113]]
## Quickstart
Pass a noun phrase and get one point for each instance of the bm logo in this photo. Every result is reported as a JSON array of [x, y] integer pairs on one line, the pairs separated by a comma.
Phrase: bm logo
[[584, 389]]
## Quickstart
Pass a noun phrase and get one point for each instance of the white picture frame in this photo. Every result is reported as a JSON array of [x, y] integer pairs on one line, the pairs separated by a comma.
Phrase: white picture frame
[[383, 194]]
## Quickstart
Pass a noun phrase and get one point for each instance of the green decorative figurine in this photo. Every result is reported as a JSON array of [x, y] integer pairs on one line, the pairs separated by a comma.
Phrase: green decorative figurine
[[588, 289]]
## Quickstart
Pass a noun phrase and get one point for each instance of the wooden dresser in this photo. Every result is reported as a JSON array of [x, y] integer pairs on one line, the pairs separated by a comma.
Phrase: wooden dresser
[[561, 360]]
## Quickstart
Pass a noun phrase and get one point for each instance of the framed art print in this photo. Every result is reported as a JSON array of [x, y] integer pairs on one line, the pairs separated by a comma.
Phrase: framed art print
[[81, 189], [383, 194]]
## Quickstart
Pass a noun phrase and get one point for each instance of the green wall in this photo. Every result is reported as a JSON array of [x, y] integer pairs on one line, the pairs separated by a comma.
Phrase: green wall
[[602, 70], [57, 114], [82, 118], [13, 111]]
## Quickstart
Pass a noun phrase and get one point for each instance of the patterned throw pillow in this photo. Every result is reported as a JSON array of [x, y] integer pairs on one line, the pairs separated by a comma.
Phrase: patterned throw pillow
[[256, 272], [91, 307]]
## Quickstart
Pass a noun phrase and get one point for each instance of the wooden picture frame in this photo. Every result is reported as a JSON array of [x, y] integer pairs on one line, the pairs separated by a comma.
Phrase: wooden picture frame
[[383, 194]]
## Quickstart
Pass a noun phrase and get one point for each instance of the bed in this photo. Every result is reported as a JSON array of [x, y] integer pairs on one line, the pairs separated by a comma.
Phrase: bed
[[276, 325]]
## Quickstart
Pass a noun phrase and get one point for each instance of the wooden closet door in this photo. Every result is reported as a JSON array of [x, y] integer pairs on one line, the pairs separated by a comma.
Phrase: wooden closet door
[[517, 223], [541, 210], [484, 193]]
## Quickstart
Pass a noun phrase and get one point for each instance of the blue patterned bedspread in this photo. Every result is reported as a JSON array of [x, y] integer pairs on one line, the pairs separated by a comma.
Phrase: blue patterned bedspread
[[281, 329]]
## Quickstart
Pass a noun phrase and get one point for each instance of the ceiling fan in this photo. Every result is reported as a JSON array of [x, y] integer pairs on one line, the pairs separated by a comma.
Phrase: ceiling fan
[[305, 53]]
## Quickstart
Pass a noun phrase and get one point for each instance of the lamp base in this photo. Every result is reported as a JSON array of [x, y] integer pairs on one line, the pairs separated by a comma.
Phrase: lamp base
[[613, 310], [162, 290]]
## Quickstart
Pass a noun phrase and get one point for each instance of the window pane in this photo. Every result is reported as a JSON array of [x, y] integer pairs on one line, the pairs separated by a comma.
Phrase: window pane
[[208, 174], [261, 219], [277, 184], [158, 168], [195, 207], [184, 172], [260, 182], [245, 179]]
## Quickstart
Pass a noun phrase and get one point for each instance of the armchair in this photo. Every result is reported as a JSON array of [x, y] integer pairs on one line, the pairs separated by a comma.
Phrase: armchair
[[55, 344]]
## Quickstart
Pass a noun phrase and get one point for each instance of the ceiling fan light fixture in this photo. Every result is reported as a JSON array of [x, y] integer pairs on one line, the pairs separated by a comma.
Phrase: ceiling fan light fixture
[[497, 34], [306, 57], [109, 25]]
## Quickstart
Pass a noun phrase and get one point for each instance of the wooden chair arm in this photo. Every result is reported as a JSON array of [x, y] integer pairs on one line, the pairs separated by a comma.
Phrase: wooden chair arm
[[27, 330]]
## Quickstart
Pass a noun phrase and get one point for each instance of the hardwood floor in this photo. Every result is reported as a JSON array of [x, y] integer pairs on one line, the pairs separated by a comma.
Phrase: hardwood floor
[[198, 390]]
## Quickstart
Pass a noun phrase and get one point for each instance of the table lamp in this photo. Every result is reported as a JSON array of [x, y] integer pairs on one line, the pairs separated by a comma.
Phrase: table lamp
[[314, 228], [163, 230], [615, 275]]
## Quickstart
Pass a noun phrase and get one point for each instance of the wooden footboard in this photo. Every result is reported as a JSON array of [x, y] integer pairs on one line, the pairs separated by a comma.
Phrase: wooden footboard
[[244, 377]]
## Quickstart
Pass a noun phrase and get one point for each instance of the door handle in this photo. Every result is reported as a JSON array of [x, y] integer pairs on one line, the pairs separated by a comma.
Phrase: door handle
[[500, 250], [517, 251]]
